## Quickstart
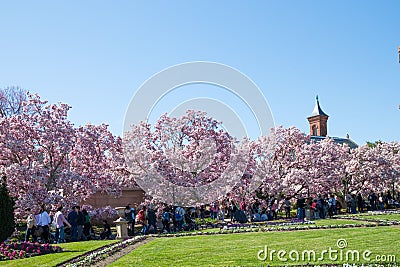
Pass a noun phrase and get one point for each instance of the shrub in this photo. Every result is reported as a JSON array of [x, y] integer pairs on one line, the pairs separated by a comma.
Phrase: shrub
[[7, 223]]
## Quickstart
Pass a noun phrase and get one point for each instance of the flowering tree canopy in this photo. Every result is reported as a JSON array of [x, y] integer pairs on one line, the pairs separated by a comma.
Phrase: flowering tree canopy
[[47, 160], [373, 168], [185, 161]]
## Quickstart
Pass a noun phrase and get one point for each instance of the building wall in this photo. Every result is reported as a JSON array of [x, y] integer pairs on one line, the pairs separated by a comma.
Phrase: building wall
[[129, 196]]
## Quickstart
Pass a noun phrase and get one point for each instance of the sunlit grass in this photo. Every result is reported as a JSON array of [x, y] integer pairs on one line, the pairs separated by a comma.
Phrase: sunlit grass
[[70, 250], [242, 249]]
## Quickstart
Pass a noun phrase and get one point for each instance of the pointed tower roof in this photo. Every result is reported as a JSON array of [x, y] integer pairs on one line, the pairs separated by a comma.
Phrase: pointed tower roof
[[317, 109]]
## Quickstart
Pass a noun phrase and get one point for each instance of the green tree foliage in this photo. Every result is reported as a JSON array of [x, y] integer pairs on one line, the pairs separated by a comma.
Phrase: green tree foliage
[[7, 223]]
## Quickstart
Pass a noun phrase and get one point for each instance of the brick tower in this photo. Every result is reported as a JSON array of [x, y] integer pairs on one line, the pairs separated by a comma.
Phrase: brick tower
[[318, 121]]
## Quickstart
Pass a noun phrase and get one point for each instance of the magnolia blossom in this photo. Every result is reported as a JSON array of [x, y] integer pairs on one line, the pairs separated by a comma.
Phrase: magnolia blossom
[[47, 160], [184, 161]]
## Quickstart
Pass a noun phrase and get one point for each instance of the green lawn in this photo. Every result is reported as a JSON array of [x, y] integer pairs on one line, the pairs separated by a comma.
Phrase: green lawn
[[242, 249], [71, 250]]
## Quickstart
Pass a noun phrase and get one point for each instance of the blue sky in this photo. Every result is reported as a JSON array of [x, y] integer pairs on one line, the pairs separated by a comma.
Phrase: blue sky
[[95, 54]]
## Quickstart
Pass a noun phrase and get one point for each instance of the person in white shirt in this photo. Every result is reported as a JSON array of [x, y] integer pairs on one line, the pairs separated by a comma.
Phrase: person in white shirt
[[44, 221], [59, 220]]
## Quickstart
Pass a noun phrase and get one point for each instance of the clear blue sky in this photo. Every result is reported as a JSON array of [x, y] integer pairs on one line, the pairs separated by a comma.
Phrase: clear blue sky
[[95, 54]]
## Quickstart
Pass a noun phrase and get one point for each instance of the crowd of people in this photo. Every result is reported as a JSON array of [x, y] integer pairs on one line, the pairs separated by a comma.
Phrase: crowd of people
[[323, 206], [39, 225], [168, 218], [329, 205]]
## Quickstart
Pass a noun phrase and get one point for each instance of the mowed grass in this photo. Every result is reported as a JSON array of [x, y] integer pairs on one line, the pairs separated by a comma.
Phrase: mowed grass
[[70, 250], [242, 249]]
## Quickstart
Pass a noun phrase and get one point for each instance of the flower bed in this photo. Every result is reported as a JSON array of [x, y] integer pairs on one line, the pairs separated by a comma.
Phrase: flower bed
[[262, 228], [380, 222], [101, 253], [254, 224], [372, 213], [11, 251]]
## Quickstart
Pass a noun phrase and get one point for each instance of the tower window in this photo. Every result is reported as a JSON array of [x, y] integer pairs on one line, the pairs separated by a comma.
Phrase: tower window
[[314, 130]]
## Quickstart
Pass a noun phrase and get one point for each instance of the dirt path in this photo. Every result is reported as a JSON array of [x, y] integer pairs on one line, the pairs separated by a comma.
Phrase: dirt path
[[121, 253]]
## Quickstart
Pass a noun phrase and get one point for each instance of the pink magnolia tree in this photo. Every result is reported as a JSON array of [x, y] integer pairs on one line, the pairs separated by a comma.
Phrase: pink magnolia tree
[[279, 162], [290, 164], [391, 175], [324, 164], [47, 160], [185, 161], [366, 168], [385, 157]]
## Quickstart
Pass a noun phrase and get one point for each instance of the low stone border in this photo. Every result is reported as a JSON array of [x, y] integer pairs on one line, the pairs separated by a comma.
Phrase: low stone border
[[101, 253], [119, 254]]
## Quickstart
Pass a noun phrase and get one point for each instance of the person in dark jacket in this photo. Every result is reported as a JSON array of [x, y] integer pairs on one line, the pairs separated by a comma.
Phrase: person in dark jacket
[[80, 222], [86, 226], [151, 219], [301, 204], [106, 234], [73, 220]]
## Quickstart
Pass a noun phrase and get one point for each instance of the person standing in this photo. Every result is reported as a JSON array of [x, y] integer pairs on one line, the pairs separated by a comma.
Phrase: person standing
[[165, 219], [222, 210], [353, 204], [372, 200], [287, 207], [151, 219], [30, 225], [331, 206], [301, 203], [59, 220], [130, 217], [348, 202], [179, 215], [80, 223], [141, 218], [73, 220], [86, 225], [360, 203], [381, 201], [232, 210], [44, 221], [314, 208]]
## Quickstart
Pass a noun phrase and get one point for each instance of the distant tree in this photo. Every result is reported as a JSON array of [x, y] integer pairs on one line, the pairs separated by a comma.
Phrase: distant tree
[[11, 99], [7, 223], [374, 144]]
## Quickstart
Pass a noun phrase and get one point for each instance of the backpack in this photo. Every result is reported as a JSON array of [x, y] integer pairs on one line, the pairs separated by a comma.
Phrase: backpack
[[178, 215], [165, 216]]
